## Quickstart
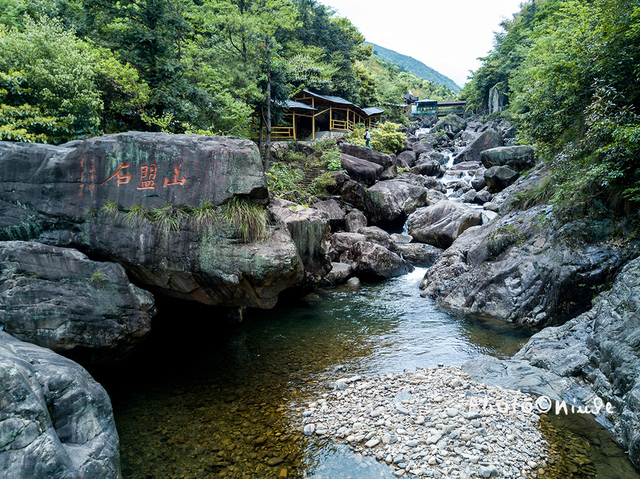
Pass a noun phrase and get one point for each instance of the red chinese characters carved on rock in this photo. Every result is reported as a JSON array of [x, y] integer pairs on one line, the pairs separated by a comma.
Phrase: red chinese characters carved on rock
[[148, 175], [176, 173], [87, 177], [123, 178]]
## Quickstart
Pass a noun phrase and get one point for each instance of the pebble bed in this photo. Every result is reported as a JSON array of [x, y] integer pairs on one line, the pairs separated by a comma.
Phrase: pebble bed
[[433, 423]]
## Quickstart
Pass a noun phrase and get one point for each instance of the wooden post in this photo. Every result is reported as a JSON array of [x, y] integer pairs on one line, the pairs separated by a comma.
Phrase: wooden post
[[295, 135]]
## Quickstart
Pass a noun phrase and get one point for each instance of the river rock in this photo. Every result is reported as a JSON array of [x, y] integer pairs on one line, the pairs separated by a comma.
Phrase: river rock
[[518, 158], [440, 224], [56, 420], [392, 201], [379, 236], [420, 254], [137, 200], [601, 345], [355, 194], [423, 146], [333, 210], [499, 177], [368, 154], [59, 299], [488, 139], [406, 159], [309, 229], [361, 170], [523, 267], [425, 165], [339, 274], [371, 262], [354, 220], [450, 124]]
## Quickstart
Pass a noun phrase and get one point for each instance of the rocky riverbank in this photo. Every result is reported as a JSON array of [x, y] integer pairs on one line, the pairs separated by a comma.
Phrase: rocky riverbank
[[432, 423]]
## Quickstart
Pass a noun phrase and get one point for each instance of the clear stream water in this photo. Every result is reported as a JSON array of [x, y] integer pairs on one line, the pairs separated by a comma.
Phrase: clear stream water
[[199, 401]]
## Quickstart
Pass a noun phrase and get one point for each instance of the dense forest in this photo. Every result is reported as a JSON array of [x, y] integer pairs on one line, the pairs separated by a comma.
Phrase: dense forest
[[569, 73], [76, 68]]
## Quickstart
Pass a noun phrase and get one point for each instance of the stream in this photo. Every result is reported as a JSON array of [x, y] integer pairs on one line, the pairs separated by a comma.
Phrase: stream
[[196, 401], [201, 400]]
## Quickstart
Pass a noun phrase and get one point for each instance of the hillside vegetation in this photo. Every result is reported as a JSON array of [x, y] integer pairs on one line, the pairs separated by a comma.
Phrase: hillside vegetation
[[414, 66], [570, 73], [77, 68]]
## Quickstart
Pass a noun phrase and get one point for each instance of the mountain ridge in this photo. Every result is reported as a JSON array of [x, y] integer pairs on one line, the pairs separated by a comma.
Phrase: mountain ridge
[[414, 66]]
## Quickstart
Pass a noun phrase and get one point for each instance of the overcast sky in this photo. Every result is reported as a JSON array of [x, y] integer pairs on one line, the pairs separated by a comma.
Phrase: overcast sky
[[446, 35]]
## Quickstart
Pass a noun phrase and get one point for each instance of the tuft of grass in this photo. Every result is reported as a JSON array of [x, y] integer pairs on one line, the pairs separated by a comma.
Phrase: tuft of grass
[[169, 217], [250, 221], [205, 214], [137, 216], [110, 208], [98, 277]]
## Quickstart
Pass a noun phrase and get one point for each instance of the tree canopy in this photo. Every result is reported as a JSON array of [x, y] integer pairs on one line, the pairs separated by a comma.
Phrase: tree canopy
[[570, 70], [75, 68]]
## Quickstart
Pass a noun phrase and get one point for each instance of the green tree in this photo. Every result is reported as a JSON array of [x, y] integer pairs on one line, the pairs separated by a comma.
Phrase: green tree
[[57, 73]]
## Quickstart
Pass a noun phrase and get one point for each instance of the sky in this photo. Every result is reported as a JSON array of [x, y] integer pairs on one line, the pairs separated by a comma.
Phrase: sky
[[446, 35]]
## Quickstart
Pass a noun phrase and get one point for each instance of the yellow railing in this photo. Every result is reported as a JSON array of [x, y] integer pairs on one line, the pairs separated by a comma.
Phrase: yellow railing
[[277, 133], [342, 125]]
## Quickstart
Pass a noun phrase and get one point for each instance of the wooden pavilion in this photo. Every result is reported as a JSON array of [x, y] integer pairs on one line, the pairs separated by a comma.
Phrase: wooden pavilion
[[309, 112]]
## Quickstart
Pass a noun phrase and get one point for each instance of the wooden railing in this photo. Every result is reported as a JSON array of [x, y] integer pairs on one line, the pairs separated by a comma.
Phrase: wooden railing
[[342, 125], [277, 133]]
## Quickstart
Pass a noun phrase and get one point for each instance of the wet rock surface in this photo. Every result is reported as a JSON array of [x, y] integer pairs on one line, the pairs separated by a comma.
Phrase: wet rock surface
[[55, 421], [519, 268], [60, 299]]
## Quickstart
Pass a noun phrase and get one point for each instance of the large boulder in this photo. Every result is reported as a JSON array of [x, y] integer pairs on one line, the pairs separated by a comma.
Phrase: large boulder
[[487, 140], [369, 261], [309, 228], [601, 346], [523, 267], [597, 351], [406, 159], [428, 167], [361, 170], [59, 299], [518, 158], [420, 254], [375, 262], [56, 421], [392, 201], [450, 124], [368, 154], [354, 220], [499, 177], [169, 208], [440, 224]]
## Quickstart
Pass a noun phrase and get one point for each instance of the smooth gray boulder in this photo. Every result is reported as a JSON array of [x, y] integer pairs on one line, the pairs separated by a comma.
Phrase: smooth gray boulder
[[368, 154], [392, 201], [172, 209], [488, 139], [406, 159], [60, 299], [361, 170], [333, 210], [500, 177], [56, 421], [420, 254], [518, 158], [427, 166], [440, 224]]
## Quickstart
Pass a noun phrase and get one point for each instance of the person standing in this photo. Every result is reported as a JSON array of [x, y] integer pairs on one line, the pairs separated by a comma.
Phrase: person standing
[[367, 137]]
